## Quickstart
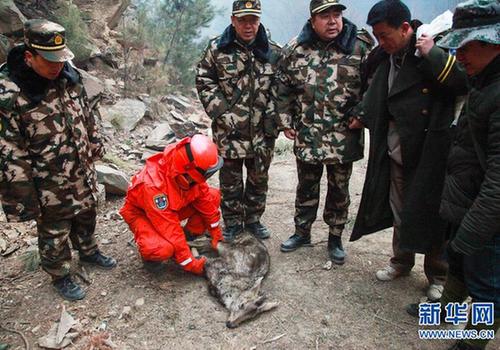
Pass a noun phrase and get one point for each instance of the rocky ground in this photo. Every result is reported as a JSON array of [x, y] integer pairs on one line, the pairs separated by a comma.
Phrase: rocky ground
[[128, 308]]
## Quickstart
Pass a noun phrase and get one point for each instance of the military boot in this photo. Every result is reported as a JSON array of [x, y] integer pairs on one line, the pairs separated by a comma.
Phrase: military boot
[[294, 242], [68, 289], [231, 232], [336, 250], [461, 345], [99, 260], [258, 230]]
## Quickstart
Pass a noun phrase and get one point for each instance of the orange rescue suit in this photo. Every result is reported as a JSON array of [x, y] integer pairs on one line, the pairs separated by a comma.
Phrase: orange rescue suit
[[155, 207]]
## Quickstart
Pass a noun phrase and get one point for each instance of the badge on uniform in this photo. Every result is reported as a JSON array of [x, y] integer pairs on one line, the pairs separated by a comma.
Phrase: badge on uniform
[[161, 201]]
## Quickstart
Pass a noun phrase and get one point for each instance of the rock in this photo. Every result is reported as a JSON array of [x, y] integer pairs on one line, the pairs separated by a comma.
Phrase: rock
[[181, 126], [160, 137], [139, 302], [180, 102], [161, 132], [3, 245], [125, 114], [126, 312], [12, 19], [115, 181], [101, 195], [93, 85], [156, 145]]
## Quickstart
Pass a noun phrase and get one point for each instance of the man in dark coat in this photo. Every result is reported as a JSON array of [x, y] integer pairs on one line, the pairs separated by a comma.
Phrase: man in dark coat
[[408, 108], [471, 195]]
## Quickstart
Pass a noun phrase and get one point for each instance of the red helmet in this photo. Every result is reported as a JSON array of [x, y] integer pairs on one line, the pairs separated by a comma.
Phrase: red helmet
[[197, 157]]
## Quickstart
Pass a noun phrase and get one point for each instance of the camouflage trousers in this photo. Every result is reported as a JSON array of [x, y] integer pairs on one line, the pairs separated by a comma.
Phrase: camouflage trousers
[[55, 252], [243, 203], [307, 199]]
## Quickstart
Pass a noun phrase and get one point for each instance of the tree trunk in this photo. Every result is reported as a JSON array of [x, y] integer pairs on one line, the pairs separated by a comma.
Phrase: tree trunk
[[115, 19]]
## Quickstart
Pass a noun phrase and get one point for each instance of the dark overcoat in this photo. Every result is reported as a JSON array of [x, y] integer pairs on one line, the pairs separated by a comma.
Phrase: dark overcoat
[[422, 103]]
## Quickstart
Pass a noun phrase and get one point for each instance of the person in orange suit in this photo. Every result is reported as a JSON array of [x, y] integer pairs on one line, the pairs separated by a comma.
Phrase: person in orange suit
[[169, 189]]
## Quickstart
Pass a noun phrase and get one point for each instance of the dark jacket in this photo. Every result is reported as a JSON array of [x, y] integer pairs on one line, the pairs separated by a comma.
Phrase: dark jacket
[[422, 104], [471, 195]]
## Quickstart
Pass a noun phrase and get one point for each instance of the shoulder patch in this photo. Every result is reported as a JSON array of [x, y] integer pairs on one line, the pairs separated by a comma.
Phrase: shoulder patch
[[366, 37], [161, 201]]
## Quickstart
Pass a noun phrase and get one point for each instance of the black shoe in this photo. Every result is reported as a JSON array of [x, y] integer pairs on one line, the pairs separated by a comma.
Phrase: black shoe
[[295, 242], [231, 232], [99, 260], [336, 250], [258, 230], [68, 289], [413, 309], [461, 345]]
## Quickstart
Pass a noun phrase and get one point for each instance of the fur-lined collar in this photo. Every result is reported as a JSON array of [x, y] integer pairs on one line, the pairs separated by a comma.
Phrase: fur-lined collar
[[345, 41], [260, 47], [33, 86]]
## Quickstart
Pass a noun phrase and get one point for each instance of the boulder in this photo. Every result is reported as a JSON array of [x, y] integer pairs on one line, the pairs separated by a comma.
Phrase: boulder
[[93, 85], [11, 18], [180, 102], [181, 125], [115, 181], [125, 114]]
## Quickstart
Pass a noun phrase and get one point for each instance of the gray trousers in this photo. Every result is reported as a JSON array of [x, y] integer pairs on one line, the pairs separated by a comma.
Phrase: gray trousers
[[435, 265]]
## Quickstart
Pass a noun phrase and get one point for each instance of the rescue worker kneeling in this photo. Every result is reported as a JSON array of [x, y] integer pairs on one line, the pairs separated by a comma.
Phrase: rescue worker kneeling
[[171, 188]]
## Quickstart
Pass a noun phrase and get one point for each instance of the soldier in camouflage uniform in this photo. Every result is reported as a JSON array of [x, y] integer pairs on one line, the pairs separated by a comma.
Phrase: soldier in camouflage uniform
[[318, 85], [48, 145], [233, 81]]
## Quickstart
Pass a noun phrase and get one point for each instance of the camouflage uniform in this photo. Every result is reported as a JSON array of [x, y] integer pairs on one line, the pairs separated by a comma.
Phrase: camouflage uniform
[[233, 81], [48, 145], [318, 86]]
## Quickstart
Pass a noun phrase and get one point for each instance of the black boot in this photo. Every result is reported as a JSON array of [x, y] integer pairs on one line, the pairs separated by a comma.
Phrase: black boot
[[461, 345], [336, 250], [258, 230], [294, 242], [99, 260], [68, 289], [231, 232]]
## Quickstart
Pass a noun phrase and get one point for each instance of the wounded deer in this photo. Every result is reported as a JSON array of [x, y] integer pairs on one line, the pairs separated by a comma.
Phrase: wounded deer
[[235, 278]]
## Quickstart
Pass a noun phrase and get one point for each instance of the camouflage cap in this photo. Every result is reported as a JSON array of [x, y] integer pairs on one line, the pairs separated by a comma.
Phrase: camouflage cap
[[48, 39], [474, 20], [318, 6], [247, 7]]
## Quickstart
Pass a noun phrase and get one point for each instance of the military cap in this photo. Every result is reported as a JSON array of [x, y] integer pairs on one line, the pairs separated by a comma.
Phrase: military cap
[[248, 7], [48, 39], [474, 20], [318, 6]]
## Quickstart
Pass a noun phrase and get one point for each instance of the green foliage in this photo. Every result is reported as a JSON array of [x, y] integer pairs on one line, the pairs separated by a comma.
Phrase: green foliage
[[172, 28], [70, 17]]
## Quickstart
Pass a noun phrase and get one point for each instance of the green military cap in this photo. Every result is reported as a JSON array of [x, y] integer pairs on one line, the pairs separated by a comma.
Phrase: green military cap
[[318, 6], [474, 20], [48, 39], [248, 7]]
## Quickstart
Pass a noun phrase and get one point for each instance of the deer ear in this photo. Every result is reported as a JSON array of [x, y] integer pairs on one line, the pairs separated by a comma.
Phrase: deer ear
[[256, 287], [268, 306]]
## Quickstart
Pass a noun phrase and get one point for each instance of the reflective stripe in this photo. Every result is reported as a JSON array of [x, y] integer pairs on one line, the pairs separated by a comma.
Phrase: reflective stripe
[[447, 65], [185, 262], [449, 70], [214, 225]]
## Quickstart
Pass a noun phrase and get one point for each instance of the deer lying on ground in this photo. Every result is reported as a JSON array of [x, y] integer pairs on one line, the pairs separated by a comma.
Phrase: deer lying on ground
[[235, 278]]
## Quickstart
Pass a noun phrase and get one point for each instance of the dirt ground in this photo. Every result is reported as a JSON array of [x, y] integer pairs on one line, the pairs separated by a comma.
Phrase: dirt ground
[[344, 308]]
